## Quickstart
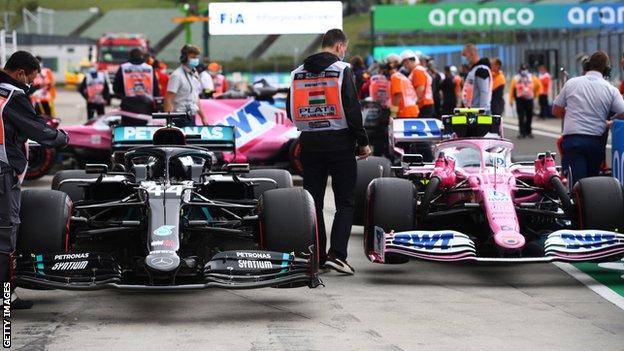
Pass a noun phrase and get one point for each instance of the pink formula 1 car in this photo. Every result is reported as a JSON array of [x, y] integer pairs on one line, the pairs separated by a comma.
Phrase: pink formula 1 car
[[264, 136], [474, 204]]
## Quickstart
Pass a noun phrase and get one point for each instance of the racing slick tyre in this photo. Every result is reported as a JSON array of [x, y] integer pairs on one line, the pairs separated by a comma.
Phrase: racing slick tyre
[[40, 160], [599, 204], [280, 176], [44, 216], [74, 190], [294, 156], [367, 170], [391, 205], [288, 221]]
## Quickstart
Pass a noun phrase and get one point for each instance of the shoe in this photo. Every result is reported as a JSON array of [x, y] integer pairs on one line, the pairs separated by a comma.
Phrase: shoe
[[19, 304], [530, 136], [520, 136], [339, 265]]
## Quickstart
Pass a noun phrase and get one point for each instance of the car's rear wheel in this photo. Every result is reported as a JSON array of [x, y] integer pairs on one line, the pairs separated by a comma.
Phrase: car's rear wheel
[[288, 221], [44, 216], [294, 156], [392, 207], [280, 176], [367, 170], [599, 204], [40, 160], [74, 190]]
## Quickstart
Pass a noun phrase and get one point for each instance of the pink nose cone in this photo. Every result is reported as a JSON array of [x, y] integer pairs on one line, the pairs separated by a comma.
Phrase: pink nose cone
[[509, 240]]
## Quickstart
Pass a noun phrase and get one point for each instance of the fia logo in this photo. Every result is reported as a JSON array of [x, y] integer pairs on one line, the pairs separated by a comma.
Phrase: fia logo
[[231, 18]]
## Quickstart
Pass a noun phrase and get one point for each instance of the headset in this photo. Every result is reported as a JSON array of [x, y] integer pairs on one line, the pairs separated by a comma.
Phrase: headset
[[606, 73], [184, 54]]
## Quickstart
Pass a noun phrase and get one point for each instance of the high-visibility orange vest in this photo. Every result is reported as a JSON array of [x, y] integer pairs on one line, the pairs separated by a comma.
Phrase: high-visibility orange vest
[[427, 98], [379, 89], [316, 100], [408, 105], [220, 84], [545, 80], [524, 86], [95, 88], [138, 79], [47, 90]]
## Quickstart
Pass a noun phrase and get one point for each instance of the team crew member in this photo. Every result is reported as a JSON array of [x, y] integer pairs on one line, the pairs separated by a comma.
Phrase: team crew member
[[524, 88], [94, 88], [498, 88], [136, 84], [545, 81], [477, 91], [205, 82], [219, 81], [449, 92], [404, 99], [584, 103], [44, 90], [324, 106], [18, 123], [183, 88], [379, 86], [421, 80], [379, 91]]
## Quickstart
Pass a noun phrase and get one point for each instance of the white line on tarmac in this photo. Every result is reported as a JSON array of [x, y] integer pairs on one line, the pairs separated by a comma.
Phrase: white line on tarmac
[[542, 133], [592, 283]]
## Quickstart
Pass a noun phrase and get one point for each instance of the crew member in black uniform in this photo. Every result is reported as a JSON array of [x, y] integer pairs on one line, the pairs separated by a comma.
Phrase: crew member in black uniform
[[18, 123], [324, 105]]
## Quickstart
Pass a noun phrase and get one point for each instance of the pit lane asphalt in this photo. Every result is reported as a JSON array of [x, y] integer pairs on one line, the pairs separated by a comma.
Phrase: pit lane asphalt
[[415, 306]]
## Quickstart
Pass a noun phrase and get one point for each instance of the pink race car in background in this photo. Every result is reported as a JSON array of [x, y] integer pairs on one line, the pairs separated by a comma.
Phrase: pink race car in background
[[264, 136], [474, 204]]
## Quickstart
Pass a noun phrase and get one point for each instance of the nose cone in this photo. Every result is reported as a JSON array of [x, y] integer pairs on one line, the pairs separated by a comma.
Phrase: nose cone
[[509, 240]]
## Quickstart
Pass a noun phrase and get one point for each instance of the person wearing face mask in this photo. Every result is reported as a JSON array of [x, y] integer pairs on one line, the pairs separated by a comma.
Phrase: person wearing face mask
[[136, 85], [323, 103], [525, 87], [18, 123], [184, 88], [477, 90]]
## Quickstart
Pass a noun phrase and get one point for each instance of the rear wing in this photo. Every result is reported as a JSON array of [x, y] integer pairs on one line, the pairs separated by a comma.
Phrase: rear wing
[[214, 138], [418, 129], [471, 123]]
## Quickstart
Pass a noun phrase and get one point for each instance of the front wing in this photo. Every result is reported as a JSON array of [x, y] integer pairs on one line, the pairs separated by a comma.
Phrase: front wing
[[452, 246], [239, 269]]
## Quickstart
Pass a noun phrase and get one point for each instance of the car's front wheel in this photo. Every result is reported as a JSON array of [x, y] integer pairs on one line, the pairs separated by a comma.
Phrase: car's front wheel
[[288, 221], [599, 204]]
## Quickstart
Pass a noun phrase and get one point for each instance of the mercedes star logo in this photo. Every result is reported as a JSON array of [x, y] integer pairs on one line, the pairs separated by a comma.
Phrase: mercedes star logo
[[161, 261]]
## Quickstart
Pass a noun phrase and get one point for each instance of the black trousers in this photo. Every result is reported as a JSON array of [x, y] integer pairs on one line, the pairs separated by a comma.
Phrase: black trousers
[[342, 167], [544, 106], [524, 107], [10, 196], [94, 110]]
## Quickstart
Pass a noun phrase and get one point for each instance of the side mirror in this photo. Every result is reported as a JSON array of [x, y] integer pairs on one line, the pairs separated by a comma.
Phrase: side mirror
[[96, 168], [413, 159]]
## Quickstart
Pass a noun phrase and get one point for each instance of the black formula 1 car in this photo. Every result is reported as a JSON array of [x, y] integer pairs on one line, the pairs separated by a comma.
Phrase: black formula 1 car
[[166, 220]]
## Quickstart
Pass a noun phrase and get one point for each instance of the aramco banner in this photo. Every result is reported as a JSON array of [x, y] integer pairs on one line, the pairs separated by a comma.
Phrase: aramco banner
[[496, 16]]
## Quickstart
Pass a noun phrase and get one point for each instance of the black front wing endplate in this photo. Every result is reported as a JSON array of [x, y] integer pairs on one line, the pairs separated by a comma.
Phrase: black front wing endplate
[[239, 269]]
